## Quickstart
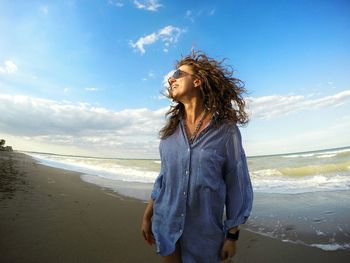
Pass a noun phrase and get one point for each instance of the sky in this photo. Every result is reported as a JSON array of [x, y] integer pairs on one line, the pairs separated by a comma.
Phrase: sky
[[85, 77]]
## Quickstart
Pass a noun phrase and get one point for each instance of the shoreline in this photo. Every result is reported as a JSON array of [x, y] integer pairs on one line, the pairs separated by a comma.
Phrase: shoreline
[[298, 218], [51, 215]]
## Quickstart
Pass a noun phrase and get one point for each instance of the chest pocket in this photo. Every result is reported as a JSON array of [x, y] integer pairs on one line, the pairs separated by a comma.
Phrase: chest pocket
[[210, 169]]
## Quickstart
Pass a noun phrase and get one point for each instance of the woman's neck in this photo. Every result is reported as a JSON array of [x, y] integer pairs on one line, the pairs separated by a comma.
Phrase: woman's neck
[[193, 111]]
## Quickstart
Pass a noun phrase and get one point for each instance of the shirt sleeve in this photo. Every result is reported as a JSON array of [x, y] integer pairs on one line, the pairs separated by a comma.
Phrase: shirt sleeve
[[239, 192], [159, 180], [156, 187]]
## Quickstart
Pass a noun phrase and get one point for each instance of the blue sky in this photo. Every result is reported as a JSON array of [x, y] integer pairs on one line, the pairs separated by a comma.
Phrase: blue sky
[[84, 77]]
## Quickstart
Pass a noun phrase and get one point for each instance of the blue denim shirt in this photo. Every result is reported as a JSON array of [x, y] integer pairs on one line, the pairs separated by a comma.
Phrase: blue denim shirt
[[196, 183]]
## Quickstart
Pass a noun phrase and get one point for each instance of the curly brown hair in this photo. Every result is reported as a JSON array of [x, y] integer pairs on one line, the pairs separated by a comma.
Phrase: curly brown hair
[[222, 93]]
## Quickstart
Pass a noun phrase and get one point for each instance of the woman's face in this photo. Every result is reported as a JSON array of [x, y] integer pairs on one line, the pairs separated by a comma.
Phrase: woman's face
[[183, 85]]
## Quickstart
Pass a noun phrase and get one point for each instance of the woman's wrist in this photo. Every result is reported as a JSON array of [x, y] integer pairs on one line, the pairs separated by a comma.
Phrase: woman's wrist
[[232, 234], [233, 230], [149, 211], [147, 217], [148, 214]]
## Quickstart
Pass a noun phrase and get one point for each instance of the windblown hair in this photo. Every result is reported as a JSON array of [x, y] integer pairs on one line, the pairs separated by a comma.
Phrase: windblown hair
[[222, 93]]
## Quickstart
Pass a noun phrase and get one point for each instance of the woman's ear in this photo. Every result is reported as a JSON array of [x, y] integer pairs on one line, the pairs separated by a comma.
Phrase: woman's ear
[[197, 83]]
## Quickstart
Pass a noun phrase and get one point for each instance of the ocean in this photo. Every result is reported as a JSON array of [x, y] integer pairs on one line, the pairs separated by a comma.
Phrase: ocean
[[301, 198]]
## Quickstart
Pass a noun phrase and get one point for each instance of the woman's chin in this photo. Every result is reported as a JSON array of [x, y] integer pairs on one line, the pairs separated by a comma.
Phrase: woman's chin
[[174, 96]]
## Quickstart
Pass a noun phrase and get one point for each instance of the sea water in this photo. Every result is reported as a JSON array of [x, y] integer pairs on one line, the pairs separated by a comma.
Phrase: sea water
[[301, 197]]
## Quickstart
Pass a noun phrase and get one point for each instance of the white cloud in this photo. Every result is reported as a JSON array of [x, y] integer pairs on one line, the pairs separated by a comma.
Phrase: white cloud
[[147, 40], [268, 107], [150, 76], [116, 3], [9, 67], [330, 133], [166, 77], [192, 15], [149, 5], [165, 82], [334, 134], [65, 125], [189, 15], [168, 35], [159, 97], [80, 124], [92, 89]]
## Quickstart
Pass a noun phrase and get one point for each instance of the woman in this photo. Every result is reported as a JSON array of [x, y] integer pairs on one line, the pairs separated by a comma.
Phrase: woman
[[203, 167]]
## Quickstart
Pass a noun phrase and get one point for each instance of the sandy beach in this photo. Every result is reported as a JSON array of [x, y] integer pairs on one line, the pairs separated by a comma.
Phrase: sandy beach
[[51, 215]]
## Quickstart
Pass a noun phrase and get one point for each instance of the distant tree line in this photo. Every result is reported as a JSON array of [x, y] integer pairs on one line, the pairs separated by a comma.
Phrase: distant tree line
[[3, 147]]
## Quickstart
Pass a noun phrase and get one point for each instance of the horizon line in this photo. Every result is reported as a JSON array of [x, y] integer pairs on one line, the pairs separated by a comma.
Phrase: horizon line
[[124, 158]]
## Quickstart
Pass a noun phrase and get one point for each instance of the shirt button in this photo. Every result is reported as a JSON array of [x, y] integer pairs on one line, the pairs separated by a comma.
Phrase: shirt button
[[182, 215], [180, 230], [184, 193], [188, 149], [186, 172]]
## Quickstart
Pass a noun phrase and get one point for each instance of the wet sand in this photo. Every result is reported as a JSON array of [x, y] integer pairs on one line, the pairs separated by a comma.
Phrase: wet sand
[[51, 215]]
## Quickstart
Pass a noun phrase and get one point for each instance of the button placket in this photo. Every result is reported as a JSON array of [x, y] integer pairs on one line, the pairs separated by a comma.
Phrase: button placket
[[185, 188]]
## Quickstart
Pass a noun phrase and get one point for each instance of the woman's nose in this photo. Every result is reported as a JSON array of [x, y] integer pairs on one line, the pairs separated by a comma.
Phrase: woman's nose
[[171, 80]]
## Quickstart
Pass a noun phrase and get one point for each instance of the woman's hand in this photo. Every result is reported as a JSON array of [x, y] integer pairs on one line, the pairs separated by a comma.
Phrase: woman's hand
[[146, 230], [146, 226], [228, 251]]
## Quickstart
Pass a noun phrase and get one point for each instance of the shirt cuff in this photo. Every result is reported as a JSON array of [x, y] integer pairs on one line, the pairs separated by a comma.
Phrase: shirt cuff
[[230, 223]]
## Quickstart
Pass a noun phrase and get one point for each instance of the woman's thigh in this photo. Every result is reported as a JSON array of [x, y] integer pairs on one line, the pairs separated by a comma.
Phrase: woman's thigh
[[175, 257]]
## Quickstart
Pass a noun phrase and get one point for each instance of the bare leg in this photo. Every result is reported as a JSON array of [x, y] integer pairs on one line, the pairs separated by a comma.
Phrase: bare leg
[[175, 257]]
